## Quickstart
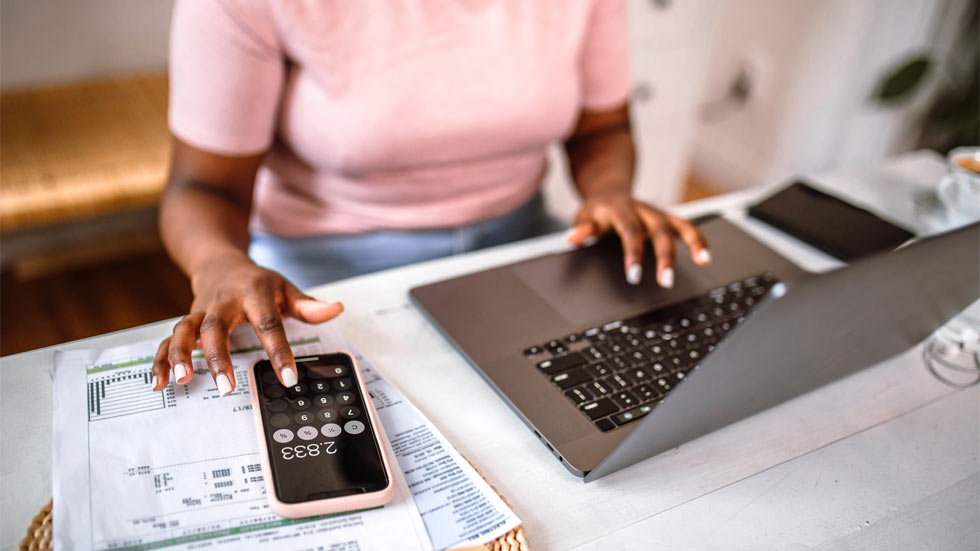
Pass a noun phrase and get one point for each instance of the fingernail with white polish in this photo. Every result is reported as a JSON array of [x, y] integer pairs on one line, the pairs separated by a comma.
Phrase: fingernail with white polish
[[667, 278], [634, 274], [224, 385], [703, 256], [153, 382], [180, 371], [590, 240], [288, 376]]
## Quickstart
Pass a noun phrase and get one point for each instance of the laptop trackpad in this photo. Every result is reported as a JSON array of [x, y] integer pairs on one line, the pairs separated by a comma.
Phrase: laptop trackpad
[[588, 286]]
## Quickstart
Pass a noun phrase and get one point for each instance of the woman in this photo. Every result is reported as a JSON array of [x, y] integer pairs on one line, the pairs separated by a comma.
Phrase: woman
[[327, 138]]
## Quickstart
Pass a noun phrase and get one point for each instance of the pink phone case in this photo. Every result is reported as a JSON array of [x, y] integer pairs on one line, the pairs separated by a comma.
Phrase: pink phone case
[[331, 505]]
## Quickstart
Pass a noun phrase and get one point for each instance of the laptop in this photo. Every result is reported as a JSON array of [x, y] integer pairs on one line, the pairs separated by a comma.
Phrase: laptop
[[607, 374]]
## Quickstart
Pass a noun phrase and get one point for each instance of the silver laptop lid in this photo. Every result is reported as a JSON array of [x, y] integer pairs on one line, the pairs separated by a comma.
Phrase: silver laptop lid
[[822, 328]]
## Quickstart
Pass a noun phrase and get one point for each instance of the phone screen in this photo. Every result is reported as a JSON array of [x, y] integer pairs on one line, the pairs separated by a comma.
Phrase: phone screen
[[828, 223], [320, 439]]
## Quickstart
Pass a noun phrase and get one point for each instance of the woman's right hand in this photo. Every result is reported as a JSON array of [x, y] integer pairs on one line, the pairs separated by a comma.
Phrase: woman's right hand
[[230, 291]]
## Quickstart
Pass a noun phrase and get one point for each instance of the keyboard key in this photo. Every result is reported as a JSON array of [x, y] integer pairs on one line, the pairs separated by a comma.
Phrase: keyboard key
[[613, 325], [658, 368], [571, 377], [625, 399], [600, 369], [555, 347], [639, 375], [594, 353], [573, 338], [600, 408], [664, 384], [533, 351], [579, 395], [647, 392], [300, 403], [605, 425], [632, 415], [345, 398], [599, 388], [617, 381], [561, 363]]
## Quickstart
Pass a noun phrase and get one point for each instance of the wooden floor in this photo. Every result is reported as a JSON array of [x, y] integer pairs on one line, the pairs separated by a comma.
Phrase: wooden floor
[[113, 295], [90, 301]]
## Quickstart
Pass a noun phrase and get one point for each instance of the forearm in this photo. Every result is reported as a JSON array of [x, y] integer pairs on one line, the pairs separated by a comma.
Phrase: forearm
[[601, 154], [199, 225]]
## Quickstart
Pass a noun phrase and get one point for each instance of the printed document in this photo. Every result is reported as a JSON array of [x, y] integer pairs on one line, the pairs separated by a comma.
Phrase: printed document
[[179, 469]]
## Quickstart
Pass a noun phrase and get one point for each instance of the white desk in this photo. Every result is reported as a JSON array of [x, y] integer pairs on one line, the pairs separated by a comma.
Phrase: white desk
[[884, 459]]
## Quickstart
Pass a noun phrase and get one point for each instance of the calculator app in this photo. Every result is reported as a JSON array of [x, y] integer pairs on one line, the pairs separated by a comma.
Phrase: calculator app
[[319, 436]]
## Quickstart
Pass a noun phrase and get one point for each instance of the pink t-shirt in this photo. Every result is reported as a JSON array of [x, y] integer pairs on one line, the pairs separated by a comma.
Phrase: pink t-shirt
[[394, 114]]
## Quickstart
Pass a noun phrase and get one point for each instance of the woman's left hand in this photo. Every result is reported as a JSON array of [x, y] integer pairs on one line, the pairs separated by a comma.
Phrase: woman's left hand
[[635, 222]]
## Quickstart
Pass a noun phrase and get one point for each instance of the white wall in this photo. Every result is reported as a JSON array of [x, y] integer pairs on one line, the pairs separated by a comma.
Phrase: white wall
[[45, 41], [815, 65]]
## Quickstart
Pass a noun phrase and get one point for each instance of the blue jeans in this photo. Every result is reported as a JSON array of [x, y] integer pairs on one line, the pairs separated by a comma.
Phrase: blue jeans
[[313, 260]]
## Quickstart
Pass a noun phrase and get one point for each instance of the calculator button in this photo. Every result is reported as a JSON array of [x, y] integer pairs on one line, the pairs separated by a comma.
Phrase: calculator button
[[320, 386], [345, 398], [323, 400], [350, 412], [342, 384], [326, 415], [330, 430], [270, 377], [303, 417], [283, 436], [354, 427], [337, 371], [276, 406], [274, 391], [279, 420], [301, 403], [298, 389], [307, 433]]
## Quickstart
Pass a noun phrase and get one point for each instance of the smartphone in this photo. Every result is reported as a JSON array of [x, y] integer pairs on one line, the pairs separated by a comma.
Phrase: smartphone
[[321, 442], [832, 225]]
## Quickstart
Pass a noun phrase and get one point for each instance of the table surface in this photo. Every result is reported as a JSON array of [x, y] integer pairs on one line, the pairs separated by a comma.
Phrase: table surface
[[886, 458]]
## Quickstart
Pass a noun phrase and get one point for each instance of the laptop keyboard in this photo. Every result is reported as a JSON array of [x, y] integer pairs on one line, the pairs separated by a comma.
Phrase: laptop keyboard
[[618, 372]]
